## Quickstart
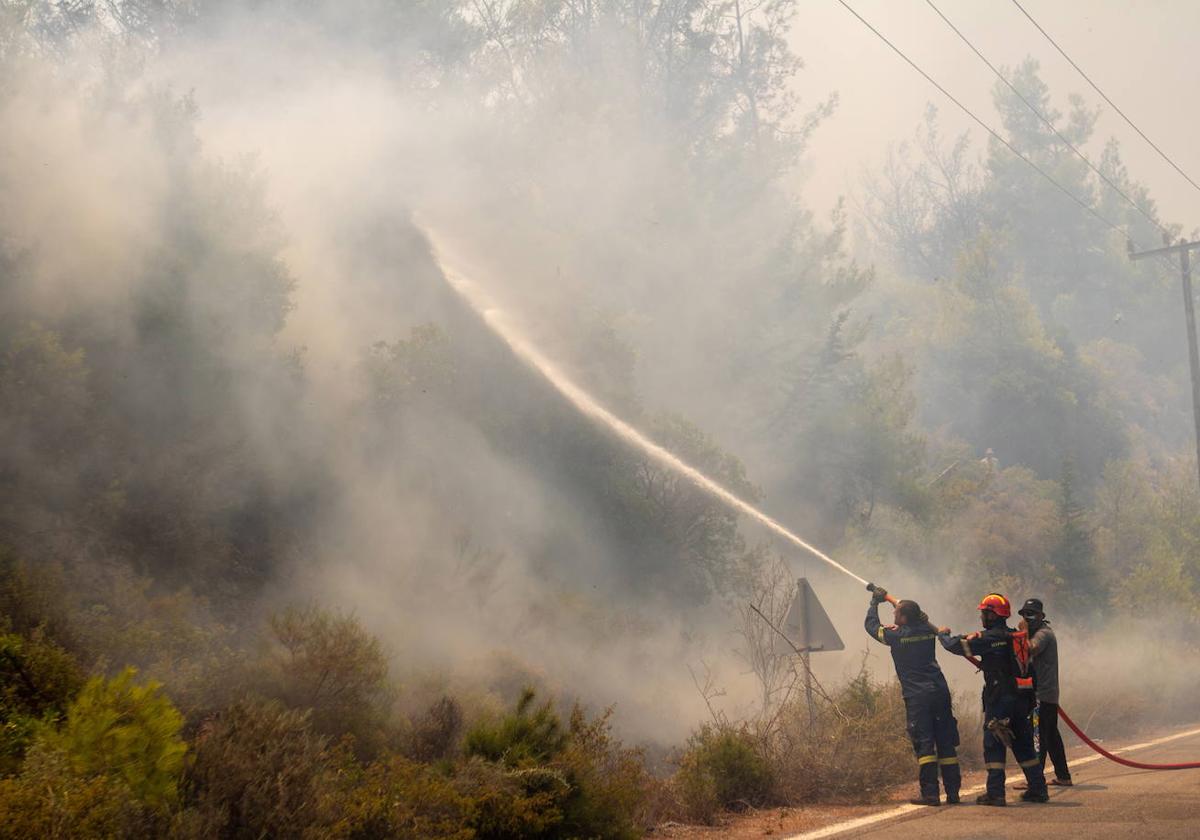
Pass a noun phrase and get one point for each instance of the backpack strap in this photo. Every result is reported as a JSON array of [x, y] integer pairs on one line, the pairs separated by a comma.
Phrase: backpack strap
[[1021, 653]]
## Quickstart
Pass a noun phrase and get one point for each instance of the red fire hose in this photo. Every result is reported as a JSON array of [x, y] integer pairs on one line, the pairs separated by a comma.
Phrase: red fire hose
[[1188, 765]]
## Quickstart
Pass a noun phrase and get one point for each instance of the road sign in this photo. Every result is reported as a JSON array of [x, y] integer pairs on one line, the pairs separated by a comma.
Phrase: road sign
[[807, 625], [808, 630]]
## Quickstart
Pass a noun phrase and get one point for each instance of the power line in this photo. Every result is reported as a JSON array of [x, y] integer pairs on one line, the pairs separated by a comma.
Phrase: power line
[[1046, 120], [1104, 96], [1086, 207]]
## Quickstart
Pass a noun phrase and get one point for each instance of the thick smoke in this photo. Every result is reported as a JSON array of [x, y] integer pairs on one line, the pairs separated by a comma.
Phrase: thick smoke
[[625, 181], [455, 550]]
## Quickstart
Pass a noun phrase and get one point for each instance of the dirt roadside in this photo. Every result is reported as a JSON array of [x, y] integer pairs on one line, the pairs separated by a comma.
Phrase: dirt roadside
[[783, 822]]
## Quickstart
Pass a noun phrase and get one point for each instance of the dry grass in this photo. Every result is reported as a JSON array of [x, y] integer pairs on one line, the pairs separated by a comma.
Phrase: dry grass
[[854, 749]]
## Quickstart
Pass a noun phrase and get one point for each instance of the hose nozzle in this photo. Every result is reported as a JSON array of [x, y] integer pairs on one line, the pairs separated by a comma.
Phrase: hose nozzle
[[881, 594]]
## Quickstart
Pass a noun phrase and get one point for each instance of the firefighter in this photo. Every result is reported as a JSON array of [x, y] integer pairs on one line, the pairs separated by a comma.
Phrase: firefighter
[[1043, 647], [931, 723], [1006, 723]]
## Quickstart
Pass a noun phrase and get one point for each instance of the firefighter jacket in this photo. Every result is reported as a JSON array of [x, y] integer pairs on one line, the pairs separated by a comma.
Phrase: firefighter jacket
[[913, 652], [994, 650]]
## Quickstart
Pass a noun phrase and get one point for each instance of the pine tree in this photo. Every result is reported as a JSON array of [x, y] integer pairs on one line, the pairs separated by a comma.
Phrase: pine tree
[[1074, 558]]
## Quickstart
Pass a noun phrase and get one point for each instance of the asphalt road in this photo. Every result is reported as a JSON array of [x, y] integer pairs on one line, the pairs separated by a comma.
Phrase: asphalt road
[[1108, 801]]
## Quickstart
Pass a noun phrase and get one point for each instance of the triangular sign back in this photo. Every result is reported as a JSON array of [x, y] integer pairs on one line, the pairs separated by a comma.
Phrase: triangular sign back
[[808, 625]]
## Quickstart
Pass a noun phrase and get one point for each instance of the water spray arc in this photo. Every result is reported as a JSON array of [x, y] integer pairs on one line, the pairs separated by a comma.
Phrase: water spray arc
[[510, 334], [503, 327]]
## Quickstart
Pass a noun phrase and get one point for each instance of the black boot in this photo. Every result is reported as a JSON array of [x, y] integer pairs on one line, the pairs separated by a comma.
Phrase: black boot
[[925, 800], [988, 799], [1036, 784]]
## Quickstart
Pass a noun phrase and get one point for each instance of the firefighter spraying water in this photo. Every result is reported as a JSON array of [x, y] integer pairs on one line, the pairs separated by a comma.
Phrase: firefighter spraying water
[[1003, 653], [927, 705]]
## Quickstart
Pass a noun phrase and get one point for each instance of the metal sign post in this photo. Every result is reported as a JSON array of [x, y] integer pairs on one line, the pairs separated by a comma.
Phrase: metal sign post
[[809, 625]]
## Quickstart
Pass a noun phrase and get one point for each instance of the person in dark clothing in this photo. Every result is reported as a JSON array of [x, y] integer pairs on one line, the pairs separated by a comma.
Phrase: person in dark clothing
[[1043, 648], [1006, 723], [931, 724]]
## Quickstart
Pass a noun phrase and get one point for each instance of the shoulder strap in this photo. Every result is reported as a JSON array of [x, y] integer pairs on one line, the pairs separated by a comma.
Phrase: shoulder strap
[[1020, 647]]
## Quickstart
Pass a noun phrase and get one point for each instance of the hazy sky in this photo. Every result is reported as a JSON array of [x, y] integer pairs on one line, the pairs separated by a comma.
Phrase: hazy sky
[[1140, 54]]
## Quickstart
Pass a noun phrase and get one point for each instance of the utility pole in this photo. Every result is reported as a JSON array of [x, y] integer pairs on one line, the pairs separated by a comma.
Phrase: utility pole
[[1184, 249]]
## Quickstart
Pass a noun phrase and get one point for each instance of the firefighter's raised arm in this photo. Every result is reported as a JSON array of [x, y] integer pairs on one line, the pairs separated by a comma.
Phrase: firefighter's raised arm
[[876, 629]]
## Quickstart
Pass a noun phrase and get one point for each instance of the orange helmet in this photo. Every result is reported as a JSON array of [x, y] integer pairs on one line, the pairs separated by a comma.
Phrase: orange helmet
[[996, 603]]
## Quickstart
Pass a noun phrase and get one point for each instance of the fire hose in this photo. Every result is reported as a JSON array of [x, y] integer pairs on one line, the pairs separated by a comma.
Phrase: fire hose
[[529, 353], [1140, 765]]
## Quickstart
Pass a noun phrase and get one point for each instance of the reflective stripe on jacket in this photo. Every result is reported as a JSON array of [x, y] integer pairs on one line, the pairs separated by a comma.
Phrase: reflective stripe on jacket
[[913, 653]]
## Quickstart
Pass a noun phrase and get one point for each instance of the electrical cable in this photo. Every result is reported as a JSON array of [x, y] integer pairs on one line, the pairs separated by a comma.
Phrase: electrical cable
[[1104, 96], [1080, 202], [1079, 732], [1084, 205], [1049, 124]]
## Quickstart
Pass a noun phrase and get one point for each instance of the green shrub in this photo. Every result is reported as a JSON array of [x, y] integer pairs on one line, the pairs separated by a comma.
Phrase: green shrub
[[34, 599], [722, 768], [38, 679], [126, 731], [435, 733], [168, 634], [503, 804], [396, 797], [608, 782], [49, 799], [527, 736], [259, 771], [401, 799], [578, 779], [103, 612], [326, 662]]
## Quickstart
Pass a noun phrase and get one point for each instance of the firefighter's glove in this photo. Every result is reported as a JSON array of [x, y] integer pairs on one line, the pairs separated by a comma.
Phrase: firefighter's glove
[[1002, 729], [878, 595]]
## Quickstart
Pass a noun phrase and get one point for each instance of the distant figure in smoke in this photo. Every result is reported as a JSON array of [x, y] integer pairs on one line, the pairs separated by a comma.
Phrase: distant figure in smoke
[[990, 460], [1006, 722], [1043, 648], [931, 723]]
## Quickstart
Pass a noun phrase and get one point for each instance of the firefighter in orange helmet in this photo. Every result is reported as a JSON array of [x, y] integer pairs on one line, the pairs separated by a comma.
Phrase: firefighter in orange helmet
[[1005, 722]]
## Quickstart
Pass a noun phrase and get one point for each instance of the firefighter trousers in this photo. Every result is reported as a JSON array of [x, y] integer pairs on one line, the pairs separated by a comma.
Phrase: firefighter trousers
[[1005, 719], [934, 734]]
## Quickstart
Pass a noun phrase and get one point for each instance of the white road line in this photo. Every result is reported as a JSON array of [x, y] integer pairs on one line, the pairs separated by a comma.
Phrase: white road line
[[900, 811]]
